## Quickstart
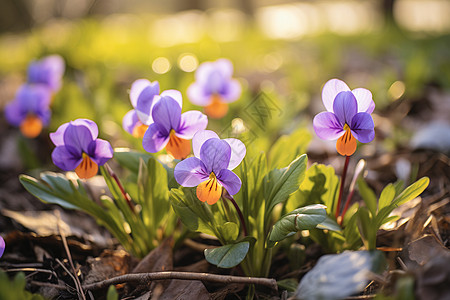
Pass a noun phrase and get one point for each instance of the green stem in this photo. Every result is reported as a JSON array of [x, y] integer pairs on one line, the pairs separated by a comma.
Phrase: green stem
[[341, 189]]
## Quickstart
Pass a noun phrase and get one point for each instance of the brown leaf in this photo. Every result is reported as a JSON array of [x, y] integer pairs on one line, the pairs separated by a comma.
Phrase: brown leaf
[[160, 259], [185, 289]]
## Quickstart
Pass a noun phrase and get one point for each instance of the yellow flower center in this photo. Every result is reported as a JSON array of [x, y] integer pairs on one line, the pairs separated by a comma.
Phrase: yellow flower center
[[177, 147], [31, 127], [346, 144], [217, 108], [87, 168], [210, 190]]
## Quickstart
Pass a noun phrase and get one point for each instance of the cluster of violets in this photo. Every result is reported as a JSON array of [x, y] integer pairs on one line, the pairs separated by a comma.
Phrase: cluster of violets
[[30, 109], [157, 118]]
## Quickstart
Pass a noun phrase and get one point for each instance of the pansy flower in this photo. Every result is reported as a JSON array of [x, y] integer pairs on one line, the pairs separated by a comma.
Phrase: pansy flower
[[347, 117], [136, 121], [79, 149], [210, 168], [2, 246], [214, 88], [30, 109], [171, 129], [47, 71]]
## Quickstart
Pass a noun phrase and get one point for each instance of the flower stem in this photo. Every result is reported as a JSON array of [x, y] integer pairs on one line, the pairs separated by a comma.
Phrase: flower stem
[[122, 189], [347, 203], [341, 189], [226, 195]]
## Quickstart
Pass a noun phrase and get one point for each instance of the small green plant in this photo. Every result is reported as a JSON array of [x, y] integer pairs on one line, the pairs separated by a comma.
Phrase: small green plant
[[14, 289]]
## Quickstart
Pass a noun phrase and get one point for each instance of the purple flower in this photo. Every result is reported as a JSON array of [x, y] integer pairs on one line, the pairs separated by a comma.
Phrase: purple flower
[[30, 109], [210, 169], [48, 71], [2, 246], [136, 121], [171, 129], [214, 88], [79, 149], [347, 116]]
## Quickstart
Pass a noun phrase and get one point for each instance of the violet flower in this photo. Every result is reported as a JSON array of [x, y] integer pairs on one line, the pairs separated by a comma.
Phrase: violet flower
[[2, 246], [210, 169], [171, 129], [30, 109], [136, 121], [48, 71], [79, 149], [347, 117], [214, 88]]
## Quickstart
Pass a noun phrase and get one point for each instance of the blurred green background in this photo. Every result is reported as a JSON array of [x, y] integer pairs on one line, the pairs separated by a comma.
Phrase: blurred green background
[[398, 49]]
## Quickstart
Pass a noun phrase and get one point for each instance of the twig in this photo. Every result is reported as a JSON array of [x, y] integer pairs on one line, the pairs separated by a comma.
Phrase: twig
[[198, 246], [35, 270], [147, 277], [69, 257]]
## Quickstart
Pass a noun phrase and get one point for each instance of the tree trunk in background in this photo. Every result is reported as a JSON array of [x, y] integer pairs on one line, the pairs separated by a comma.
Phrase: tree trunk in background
[[387, 8]]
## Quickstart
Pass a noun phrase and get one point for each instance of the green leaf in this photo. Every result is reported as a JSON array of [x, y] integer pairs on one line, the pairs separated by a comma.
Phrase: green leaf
[[320, 186], [129, 159], [329, 224], [279, 184], [412, 191], [337, 276], [230, 231], [45, 193], [303, 218], [112, 293], [386, 197], [368, 196], [297, 143], [366, 228], [227, 256], [194, 214]]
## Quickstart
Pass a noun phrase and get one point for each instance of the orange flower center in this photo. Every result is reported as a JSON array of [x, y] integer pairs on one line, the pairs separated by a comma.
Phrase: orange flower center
[[346, 144], [31, 127], [87, 168], [139, 130], [177, 147], [210, 190], [217, 108]]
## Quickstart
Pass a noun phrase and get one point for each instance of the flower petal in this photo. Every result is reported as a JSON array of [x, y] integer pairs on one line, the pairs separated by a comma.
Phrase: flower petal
[[78, 136], [154, 139], [33, 98], [58, 136], [191, 122], [364, 99], [215, 154], [200, 138], [345, 107], [190, 172], [129, 121], [138, 86], [327, 126], [47, 71], [346, 144], [224, 66], [14, 113], [230, 181], [145, 103], [167, 113], [100, 151], [175, 95], [232, 91], [209, 191], [196, 94], [65, 159], [362, 127], [238, 152], [330, 90]]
